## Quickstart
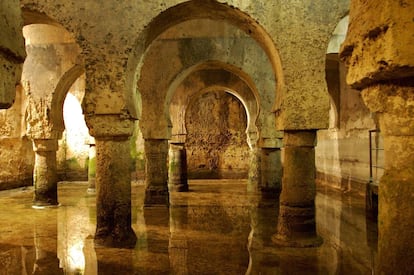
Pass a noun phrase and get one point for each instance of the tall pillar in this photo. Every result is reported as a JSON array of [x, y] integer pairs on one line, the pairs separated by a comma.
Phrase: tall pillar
[[271, 170], [254, 169], [296, 223], [177, 168], [92, 168], [44, 175], [380, 59], [254, 162], [156, 174], [394, 106], [113, 180]]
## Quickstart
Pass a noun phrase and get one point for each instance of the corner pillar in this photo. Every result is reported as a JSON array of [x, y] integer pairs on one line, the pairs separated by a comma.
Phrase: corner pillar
[[156, 173], [45, 176], [393, 103], [296, 223], [177, 168], [113, 180]]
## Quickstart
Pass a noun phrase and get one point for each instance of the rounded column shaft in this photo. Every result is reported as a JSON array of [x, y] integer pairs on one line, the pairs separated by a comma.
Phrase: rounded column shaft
[[177, 168], [296, 223], [156, 174], [113, 193], [393, 103], [44, 176], [271, 171]]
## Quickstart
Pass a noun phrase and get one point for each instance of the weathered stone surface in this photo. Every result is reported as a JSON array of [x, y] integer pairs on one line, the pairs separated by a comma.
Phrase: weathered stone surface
[[216, 139], [12, 51], [299, 30], [177, 167], [113, 193], [44, 174], [16, 154], [379, 43], [156, 172], [49, 71], [381, 63], [394, 106], [296, 225], [342, 152]]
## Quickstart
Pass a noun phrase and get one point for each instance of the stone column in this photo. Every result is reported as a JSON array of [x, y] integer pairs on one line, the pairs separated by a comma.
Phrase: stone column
[[270, 171], [44, 175], [113, 180], [393, 103], [177, 168], [296, 223], [92, 168], [254, 170], [156, 174]]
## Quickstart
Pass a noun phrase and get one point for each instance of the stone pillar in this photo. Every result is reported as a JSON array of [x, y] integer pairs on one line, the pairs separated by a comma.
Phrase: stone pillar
[[92, 168], [254, 162], [177, 168], [296, 223], [394, 106], [44, 175], [156, 174], [113, 180], [380, 59], [254, 170], [270, 171]]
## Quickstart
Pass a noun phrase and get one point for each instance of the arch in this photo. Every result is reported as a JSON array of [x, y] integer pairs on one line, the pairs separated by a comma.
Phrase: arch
[[48, 82], [61, 90], [31, 16], [215, 88], [215, 141], [232, 83], [201, 10]]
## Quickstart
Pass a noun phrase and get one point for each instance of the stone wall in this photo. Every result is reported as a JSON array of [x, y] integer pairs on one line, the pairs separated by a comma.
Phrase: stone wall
[[342, 152], [12, 52], [16, 154], [216, 140]]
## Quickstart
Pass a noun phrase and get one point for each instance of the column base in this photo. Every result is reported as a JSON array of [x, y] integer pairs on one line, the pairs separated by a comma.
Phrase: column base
[[43, 205], [127, 239], [156, 196], [296, 227], [178, 187]]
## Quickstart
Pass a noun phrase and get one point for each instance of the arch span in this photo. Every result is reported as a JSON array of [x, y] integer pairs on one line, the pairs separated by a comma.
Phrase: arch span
[[201, 10]]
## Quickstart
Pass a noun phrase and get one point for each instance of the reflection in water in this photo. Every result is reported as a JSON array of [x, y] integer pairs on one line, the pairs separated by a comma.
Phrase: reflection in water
[[217, 228]]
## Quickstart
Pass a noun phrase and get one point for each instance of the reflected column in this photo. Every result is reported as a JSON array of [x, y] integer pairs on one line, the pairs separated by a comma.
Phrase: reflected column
[[45, 240], [44, 176], [156, 174], [296, 223], [178, 246]]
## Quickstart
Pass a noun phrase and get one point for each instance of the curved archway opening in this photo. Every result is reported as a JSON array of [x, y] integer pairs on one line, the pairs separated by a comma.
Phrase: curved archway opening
[[216, 144], [211, 10], [54, 82]]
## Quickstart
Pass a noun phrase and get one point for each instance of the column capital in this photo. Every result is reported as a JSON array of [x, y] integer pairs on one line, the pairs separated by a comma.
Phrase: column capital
[[44, 145], [300, 138], [271, 143], [110, 126]]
